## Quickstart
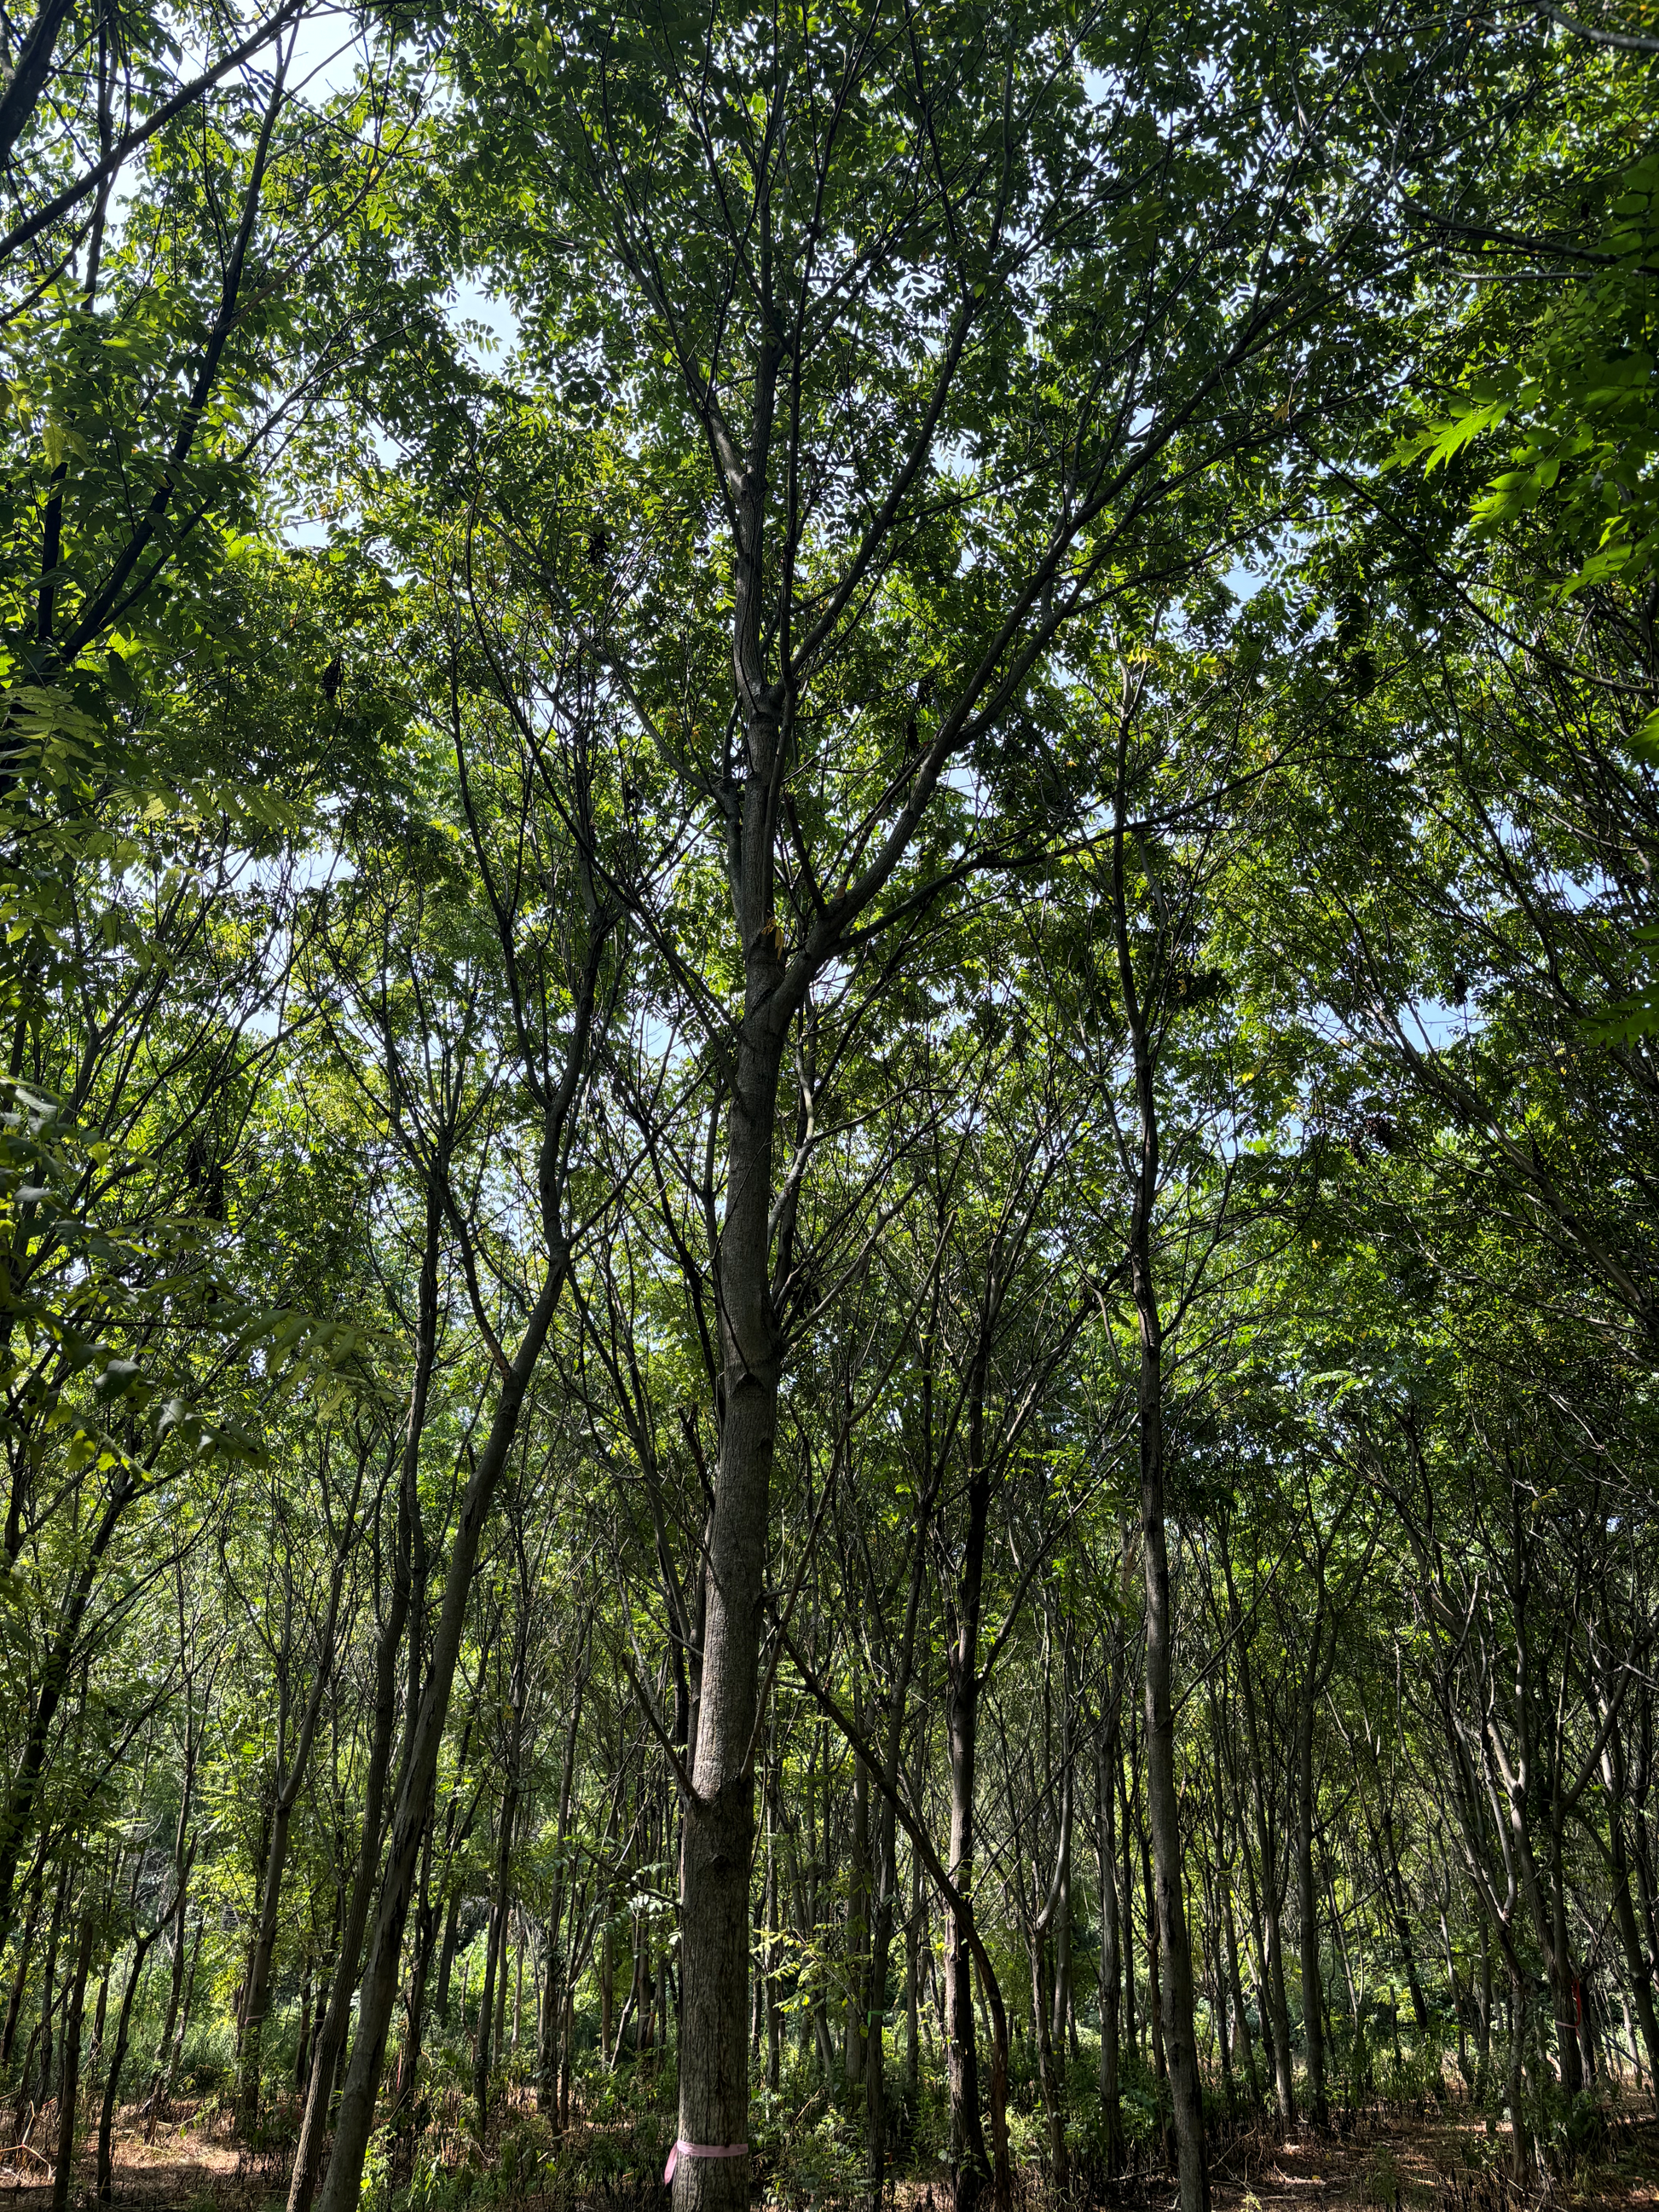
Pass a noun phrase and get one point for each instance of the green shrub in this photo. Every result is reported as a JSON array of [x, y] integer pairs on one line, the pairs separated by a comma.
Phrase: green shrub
[[1380, 2182]]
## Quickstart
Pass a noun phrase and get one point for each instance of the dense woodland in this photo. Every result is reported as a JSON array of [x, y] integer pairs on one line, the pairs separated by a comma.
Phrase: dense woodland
[[830, 1164]]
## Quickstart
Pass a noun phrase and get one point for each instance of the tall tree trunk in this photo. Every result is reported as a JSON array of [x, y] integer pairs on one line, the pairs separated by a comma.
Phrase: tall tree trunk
[[859, 1994], [407, 2101], [1402, 1926], [184, 1855], [1054, 2103], [969, 2167], [1483, 2037], [503, 1979], [49, 1987], [881, 1939], [1060, 2012], [1636, 1962], [281, 1815], [1307, 1897], [69, 2087], [1236, 1984], [331, 2032], [171, 2054], [1276, 2021], [20, 1979], [773, 1930], [1163, 1816], [549, 2025], [481, 2041], [382, 1971], [1111, 1974], [1514, 2083], [557, 1965], [118, 2060], [24, 1788], [607, 1992], [446, 1957], [1220, 1991], [1563, 1975], [1154, 1978], [302, 2041], [1043, 1979], [720, 1811], [1127, 1901], [913, 1929], [887, 1866]]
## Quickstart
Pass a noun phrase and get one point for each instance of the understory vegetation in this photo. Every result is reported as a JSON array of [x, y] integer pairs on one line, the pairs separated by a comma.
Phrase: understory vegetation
[[829, 1101]]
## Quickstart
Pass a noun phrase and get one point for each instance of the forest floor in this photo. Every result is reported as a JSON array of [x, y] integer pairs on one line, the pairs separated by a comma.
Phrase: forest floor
[[1383, 2163], [1438, 2162]]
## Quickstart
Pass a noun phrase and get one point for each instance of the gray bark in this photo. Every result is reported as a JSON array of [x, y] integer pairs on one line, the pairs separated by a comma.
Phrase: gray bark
[[331, 2035], [382, 1972], [412, 1809], [287, 1792], [1162, 1809], [69, 2087], [971, 2168], [1278, 2022], [1307, 1896], [118, 2059], [1111, 1972]]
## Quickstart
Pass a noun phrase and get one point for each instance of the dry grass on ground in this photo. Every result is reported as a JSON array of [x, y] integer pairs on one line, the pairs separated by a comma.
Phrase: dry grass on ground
[[1384, 2164]]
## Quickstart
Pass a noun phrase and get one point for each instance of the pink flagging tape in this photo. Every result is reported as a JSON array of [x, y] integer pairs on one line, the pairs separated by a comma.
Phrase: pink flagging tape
[[700, 2150]]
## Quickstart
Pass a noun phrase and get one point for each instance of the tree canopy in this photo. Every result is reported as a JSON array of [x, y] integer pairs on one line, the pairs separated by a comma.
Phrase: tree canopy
[[830, 1138]]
